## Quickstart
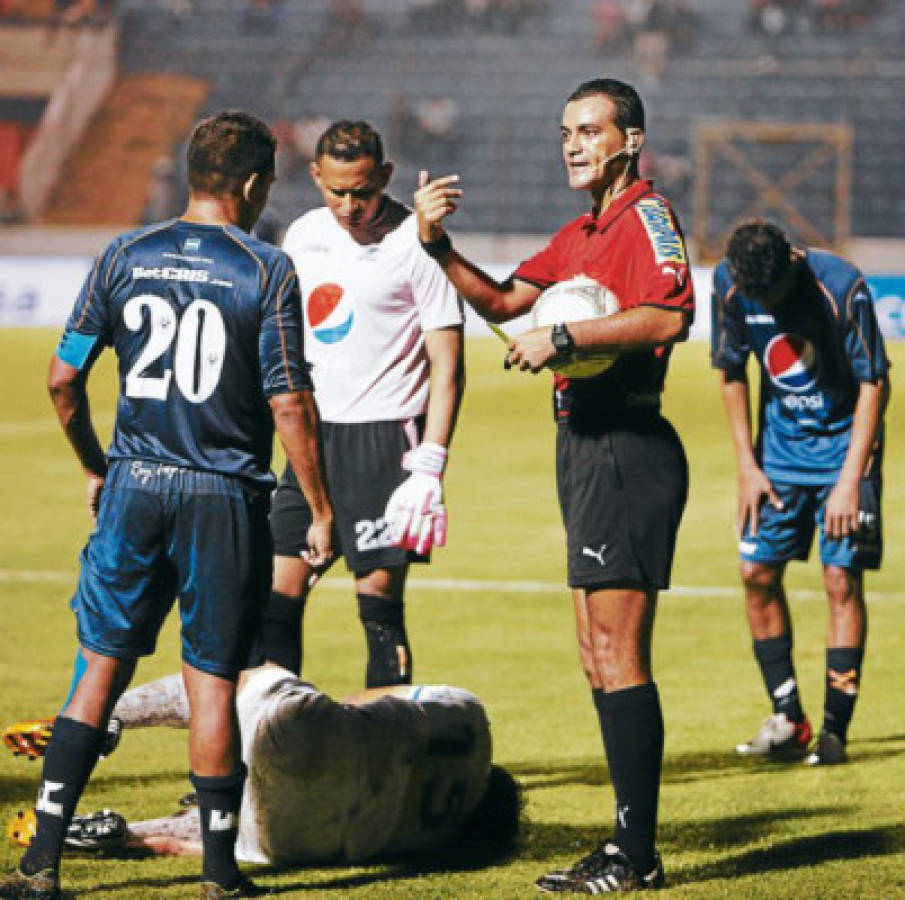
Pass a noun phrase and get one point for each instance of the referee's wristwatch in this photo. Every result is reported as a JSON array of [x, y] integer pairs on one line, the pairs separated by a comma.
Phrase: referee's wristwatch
[[563, 342]]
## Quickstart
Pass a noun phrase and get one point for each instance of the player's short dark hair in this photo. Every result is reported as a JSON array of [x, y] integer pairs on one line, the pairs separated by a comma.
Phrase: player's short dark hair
[[492, 830], [758, 255], [628, 103], [348, 141], [226, 148]]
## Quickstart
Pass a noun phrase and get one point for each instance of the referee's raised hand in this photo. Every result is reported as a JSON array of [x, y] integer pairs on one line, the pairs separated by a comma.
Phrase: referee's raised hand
[[434, 201]]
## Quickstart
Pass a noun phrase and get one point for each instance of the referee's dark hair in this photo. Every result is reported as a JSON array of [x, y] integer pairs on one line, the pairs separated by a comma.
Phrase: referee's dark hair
[[349, 141], [225, 149], [759, 255], [629, 107]]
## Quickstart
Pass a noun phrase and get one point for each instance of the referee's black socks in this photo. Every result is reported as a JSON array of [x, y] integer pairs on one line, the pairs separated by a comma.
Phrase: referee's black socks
[[219, 799], [774, 656], [389, 654], [631, 723], [71, 755]]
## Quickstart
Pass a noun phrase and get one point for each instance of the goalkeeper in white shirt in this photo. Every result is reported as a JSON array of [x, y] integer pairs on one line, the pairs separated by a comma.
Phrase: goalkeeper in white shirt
[[383, 335]]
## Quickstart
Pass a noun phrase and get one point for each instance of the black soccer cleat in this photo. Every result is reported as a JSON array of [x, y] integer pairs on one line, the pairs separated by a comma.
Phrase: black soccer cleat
[[828, 750], [210, 890], [43, 885], [605, 870], [96, 833]]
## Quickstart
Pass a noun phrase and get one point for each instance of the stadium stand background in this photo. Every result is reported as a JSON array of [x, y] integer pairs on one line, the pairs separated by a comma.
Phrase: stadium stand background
[[496, 79]]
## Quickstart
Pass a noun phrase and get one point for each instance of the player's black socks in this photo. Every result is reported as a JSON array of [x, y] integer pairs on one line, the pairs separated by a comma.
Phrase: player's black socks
[[631, 722], [68, 762], [774, 656], [389, 654], [279, 637], [219, 799], [843, 676]]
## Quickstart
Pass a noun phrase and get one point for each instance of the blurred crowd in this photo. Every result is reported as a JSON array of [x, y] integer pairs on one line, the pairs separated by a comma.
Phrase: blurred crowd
[[774, 17], [59, 12], [427, 131], [651, 28], [503, 16]]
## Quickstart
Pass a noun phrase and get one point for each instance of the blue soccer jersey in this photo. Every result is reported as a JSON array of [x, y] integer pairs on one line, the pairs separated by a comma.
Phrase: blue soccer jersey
[[814, 351], [206, 324]]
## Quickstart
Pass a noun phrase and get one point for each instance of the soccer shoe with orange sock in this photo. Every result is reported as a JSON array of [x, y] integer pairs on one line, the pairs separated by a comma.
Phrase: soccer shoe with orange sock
[[29, 738], [779, 736], [605, 870]]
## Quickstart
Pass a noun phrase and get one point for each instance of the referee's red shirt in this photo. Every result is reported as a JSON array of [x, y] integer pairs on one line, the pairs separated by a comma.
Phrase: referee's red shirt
[[636, 249]]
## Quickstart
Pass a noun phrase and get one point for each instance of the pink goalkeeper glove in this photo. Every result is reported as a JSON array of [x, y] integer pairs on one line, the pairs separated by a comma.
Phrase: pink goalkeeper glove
[[415, 514]]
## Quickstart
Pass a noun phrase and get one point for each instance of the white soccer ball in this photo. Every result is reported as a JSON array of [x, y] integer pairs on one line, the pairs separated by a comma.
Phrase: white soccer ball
[[577, 300]]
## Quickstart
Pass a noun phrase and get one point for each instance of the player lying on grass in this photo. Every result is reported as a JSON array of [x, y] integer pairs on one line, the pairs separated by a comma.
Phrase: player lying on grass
[[404, 769]]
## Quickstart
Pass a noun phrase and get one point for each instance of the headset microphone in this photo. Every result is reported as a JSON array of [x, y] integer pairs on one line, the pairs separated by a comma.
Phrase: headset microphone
[[630, 148]]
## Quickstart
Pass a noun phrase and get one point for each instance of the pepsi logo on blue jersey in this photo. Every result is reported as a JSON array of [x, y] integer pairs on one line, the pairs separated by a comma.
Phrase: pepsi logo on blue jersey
[[814, 350], [792, 362]]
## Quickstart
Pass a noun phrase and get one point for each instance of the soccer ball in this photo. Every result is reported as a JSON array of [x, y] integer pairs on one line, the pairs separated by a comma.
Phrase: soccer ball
[[577, 300]]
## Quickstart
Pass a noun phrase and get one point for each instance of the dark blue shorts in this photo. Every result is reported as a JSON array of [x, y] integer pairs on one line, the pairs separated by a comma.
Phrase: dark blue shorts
[[787, 533], [162, 532]]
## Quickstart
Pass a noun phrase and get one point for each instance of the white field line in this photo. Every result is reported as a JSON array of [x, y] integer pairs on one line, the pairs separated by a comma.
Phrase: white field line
[[46, 425], [471, 586]]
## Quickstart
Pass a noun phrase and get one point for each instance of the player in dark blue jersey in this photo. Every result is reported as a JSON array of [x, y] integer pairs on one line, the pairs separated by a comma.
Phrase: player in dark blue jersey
[[206, 325], [808, 318]]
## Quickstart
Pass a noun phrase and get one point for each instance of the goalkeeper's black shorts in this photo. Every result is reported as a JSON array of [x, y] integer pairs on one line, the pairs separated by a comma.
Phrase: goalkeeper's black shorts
[[363, 463]]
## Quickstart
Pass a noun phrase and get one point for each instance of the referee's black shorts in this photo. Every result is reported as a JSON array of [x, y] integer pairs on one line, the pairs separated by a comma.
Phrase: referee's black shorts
[[622, 490]]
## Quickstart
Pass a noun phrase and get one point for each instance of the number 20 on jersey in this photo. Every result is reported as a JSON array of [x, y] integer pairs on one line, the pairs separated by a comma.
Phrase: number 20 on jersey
[[200, 338]]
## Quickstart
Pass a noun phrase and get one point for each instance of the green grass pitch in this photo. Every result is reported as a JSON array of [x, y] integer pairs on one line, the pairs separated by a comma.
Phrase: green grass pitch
[[729, 827]]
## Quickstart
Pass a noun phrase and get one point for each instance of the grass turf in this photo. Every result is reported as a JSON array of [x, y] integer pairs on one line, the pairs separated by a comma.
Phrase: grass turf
[[729, 827]]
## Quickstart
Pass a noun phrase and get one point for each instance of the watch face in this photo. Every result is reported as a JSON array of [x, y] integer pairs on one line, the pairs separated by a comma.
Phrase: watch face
[[561, 339]]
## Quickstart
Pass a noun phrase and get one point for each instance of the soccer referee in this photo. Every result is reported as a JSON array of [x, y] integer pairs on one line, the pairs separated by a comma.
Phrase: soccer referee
[[621, 471]]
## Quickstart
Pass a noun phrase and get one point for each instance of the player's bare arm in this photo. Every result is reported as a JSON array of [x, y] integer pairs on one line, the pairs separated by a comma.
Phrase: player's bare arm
[[753, 484], [639, 328], [415, 512], [491, 299], [444, 348], [841, 513], [66, 385], [296, 421]]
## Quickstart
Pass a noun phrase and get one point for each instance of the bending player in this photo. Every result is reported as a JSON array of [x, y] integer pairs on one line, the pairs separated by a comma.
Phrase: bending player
[[809, 319], [383, 332], [394, 770]]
